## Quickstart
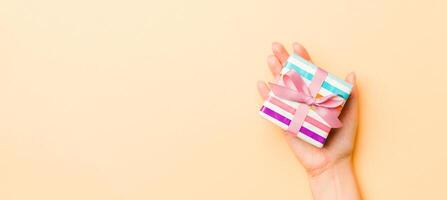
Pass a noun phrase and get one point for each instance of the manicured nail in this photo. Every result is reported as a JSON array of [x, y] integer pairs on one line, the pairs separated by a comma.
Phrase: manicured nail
[[352, 77], [276, 46], [297, 45], [271, 60]]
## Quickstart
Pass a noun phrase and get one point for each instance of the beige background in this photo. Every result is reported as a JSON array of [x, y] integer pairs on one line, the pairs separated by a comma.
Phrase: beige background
[[156, 99]]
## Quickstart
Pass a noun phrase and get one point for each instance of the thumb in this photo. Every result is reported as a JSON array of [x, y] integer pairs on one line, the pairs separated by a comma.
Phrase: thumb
[[350, 110]]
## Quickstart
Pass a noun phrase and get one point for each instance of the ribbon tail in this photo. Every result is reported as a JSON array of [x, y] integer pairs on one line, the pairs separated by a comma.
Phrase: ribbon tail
[[330, 101], [330, 116], [293, 80]]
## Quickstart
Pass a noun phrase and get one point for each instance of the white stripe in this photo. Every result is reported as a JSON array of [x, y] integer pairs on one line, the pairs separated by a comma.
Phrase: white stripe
[[290, 103], [278, 110], [309, 140], [302, 65], [336, 83], [288, 115], [306, 81], [315, 129], [273, 120], [284, 127], [317, 117], [331, 79], [323, 91], [295, 105], [284, 70]]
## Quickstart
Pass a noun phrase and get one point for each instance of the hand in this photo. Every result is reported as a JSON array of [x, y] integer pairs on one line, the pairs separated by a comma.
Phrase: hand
[[334, 159]]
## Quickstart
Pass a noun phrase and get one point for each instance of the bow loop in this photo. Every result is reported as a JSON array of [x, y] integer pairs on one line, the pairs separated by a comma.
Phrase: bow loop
[[294, 81], [295, 89], [329, 101]]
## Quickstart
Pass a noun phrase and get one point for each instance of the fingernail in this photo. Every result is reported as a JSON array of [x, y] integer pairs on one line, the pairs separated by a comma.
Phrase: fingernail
[[275, 46], [271, 59], [352, 77], [296, 44]]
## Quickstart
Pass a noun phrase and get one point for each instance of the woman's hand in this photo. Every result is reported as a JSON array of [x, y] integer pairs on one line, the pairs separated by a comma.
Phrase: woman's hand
[[332, 164]]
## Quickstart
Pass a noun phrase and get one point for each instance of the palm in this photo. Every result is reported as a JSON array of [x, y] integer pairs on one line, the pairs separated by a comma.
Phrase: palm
[[341, 142]]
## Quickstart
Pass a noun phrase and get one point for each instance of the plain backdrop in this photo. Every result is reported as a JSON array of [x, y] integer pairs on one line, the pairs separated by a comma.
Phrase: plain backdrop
[[145, 99]]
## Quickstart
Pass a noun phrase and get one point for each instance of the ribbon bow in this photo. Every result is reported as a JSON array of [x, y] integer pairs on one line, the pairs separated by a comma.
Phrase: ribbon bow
[[296, 90]]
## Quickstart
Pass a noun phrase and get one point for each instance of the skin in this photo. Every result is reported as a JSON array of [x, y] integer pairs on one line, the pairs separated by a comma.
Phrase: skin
[[330, 169]]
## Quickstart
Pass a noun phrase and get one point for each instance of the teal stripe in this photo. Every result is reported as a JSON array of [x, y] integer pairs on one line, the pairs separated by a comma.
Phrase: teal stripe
[[335, 90], [304, 61], [303, 73], [315, 67], [325, 84], [339, 80]]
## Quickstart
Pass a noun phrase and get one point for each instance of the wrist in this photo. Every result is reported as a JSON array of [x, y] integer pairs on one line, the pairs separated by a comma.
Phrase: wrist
[[336, 181], [334, 166]]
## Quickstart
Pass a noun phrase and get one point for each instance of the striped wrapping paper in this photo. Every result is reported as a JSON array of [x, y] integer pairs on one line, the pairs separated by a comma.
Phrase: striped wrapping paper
[[279, 111]]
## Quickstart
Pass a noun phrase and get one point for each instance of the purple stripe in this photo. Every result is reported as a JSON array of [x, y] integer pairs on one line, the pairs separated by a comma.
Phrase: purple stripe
[[313, 135], [286, 121], [275, 115]]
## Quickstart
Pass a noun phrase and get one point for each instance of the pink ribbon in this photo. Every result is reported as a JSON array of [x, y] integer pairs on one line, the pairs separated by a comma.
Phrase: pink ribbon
[[295, 89]]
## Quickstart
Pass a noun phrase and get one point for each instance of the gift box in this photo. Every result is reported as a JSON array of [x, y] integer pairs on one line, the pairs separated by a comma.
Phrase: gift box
[[306, 101]]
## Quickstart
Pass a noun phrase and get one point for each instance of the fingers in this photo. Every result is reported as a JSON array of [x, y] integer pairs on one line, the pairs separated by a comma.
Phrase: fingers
[[280, 52], [351, 78], [349, 114], [274, 65], [263, 89], [277, 60], [280, 56], [300, 50]]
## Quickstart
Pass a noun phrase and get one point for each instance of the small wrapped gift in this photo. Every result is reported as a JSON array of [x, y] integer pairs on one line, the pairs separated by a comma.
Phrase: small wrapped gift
[[306, 101]]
